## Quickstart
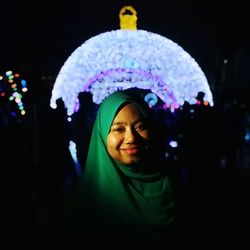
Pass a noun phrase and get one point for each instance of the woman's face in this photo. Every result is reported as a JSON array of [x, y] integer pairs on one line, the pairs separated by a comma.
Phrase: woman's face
[[128, 138]]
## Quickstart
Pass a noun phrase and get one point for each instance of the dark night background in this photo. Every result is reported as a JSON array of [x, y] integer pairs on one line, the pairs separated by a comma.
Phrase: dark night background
[[37, 38]]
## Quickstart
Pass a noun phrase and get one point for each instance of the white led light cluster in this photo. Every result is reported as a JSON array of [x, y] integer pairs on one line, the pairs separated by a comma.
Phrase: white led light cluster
[[125, 58]]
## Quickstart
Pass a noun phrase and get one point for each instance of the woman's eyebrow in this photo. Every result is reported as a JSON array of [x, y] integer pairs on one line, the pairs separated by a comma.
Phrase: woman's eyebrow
[[118, 123], [124, 123]]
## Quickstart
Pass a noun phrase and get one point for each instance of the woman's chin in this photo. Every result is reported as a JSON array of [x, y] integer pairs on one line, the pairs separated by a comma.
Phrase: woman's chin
[[134, 162]]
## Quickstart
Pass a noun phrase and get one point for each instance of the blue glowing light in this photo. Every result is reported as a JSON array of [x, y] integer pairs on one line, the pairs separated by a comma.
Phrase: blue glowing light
[[151, 99]]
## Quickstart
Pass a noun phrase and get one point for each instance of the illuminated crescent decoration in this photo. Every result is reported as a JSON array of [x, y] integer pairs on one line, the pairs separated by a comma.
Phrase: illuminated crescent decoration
[[128, 58]]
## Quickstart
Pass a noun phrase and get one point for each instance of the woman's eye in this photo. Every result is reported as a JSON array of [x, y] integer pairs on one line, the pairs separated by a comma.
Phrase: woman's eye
[[117, 129], [141, 126]]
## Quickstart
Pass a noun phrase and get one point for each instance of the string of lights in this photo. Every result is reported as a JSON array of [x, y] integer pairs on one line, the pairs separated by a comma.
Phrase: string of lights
[[12, 90]]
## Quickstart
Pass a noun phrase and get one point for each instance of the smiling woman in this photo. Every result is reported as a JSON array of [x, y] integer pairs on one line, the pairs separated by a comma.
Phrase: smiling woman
[[124, 188], [127, 141]]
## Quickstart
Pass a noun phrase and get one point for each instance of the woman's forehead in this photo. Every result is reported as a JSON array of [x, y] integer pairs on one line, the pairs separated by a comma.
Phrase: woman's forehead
[[129, 112]]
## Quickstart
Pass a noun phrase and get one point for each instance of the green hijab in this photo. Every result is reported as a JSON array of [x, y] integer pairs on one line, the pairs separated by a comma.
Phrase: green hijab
[[110, 194]]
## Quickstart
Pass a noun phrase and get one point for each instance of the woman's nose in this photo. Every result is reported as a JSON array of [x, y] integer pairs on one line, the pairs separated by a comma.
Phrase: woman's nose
[[130, 136]]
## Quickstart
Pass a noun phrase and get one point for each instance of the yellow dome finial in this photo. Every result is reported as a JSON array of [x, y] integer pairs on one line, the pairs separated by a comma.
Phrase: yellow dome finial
[[128, 21]]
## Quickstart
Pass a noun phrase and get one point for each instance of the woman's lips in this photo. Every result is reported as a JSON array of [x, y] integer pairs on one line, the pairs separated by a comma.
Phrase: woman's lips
[[131, 151]]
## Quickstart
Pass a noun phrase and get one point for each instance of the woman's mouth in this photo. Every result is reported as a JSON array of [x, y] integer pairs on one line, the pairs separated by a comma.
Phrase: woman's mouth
[[131, 151]]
